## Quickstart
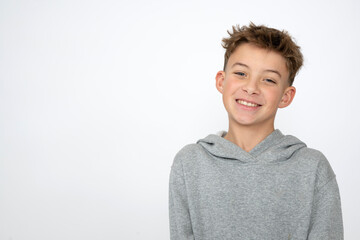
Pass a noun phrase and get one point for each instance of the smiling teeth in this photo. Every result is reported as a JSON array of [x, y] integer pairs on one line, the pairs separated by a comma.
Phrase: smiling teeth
[[247, 103]]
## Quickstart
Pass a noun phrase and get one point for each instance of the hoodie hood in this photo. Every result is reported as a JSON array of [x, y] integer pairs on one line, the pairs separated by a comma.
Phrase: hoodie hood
[[274, 148]]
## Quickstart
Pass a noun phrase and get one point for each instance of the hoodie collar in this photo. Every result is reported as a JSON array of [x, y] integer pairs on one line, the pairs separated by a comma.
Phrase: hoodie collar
[[274, 148]]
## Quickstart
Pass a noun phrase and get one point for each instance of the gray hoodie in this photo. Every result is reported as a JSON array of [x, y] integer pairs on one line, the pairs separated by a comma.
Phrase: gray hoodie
[[279, 190]]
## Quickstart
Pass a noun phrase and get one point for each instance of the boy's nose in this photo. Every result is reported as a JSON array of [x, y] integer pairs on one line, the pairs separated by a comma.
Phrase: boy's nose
[[251, 87]]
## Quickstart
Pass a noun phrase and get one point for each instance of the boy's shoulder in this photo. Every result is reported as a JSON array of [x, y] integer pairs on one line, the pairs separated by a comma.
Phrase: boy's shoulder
[[312, 155], [324, 171], [194, 151], [315, 160], [310, 160], [188, 152]]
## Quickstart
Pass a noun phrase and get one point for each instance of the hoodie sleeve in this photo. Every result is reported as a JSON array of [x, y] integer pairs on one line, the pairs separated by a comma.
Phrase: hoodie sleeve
[[180, 223], [326, 219]]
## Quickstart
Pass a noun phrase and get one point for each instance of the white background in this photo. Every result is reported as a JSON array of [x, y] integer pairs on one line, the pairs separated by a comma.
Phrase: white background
[[96, 98]]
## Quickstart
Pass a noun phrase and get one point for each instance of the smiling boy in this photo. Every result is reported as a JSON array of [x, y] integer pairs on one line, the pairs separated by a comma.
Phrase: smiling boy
[[253, 182], [254, 85]]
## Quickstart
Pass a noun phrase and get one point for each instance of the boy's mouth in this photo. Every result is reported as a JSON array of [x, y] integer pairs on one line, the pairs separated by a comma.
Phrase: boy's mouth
[[246, 103]]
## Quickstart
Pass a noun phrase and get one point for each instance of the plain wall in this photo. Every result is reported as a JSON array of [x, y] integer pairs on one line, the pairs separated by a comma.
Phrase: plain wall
[[96, 98]]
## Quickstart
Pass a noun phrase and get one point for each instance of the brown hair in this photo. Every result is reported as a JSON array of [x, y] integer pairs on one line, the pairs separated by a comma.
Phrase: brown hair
[[268, 38]]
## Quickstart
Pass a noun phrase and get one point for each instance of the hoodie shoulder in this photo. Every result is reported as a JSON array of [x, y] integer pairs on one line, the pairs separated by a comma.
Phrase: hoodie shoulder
[[324, 172], [187, 152], [186, 155]]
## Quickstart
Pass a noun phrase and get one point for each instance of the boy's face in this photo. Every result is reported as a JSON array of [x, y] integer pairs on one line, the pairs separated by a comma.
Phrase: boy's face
[[254, 85]]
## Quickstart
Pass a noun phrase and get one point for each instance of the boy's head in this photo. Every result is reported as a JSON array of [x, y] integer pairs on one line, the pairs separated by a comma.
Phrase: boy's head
[[267, 38], [260, 66]]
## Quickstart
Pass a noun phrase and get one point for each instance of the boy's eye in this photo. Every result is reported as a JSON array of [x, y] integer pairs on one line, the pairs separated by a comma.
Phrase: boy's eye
[[269, 80], [240, 74]]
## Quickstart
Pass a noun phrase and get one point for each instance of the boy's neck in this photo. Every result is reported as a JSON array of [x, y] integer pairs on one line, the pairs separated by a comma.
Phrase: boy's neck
[[247, 137]]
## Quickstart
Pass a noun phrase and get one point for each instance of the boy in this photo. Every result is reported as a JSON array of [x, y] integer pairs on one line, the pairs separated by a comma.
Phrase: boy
[[253, 182]]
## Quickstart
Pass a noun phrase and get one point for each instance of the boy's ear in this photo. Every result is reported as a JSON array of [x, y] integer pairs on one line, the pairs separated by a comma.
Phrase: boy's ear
[[287, 97], [220, 77]]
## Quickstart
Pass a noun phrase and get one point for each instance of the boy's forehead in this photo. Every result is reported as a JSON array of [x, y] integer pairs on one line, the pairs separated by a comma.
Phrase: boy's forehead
[[251, 54]]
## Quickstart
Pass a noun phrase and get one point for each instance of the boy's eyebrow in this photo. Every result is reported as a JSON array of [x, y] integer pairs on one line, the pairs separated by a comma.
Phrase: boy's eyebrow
[[273, 71], [240, 64], [267, 70]]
